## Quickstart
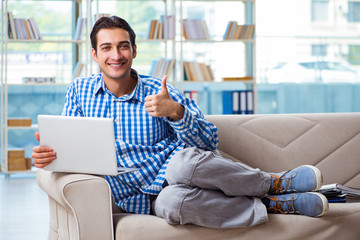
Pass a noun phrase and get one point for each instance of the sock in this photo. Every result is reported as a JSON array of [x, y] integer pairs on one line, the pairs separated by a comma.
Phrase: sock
[[266, 202]]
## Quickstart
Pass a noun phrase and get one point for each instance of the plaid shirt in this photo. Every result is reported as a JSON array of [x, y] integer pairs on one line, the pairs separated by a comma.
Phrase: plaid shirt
[[142, 141]]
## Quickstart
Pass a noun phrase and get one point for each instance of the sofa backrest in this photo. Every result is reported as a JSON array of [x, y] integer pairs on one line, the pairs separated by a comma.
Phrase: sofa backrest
[[273, 143]]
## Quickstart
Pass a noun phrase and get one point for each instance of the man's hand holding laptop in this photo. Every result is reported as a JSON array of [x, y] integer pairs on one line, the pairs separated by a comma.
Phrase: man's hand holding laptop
[[42, 156]]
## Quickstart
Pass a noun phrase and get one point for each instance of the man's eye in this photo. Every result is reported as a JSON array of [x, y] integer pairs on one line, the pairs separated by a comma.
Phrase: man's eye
[[105, 48], [125, 46]]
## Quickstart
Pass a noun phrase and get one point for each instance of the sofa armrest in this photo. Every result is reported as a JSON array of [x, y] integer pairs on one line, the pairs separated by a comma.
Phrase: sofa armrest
[[86, 201]]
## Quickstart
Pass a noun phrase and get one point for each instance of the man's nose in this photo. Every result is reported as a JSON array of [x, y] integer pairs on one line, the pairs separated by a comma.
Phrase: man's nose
[[116, 53]]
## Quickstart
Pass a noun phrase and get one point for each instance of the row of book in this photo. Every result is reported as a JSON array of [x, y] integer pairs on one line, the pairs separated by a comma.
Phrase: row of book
[[163, 28], [195, 29], [337, 193], [236, 31], [80, 28], [200, 72], [20, 28], [238, 102], [161, 67]]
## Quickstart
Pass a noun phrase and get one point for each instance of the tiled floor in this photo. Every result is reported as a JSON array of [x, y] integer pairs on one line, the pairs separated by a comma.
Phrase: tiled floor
[[23, 208]]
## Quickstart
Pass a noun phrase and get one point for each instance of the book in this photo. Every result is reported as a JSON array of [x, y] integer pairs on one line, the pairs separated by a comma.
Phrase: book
[[195, 29], [11, 28], [193, 95], [236, 31], [21, 28], [199, 72], [26, 27], [227, 31], [80, 28], [77, 70], [338, 193], [35, 29], [152, 26], [246, 78], [19, 122], [340, 188], [161, 66], [31, 30]]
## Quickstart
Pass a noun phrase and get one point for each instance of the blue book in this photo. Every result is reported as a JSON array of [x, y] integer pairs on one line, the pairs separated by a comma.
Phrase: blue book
[[336, 200]]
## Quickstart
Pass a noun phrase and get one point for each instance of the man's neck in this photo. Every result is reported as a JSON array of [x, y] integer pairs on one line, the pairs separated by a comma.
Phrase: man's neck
[[121, 87]]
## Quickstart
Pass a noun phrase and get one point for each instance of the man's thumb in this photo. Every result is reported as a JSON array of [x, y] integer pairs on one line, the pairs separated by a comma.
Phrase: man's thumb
[[163, 84]]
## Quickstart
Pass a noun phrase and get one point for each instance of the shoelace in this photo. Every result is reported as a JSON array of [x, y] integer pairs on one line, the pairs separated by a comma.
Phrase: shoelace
[[276, 188], [279, 207]]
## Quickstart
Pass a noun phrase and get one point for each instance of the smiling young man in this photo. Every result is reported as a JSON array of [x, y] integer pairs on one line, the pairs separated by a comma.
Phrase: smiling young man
[[182, 178]]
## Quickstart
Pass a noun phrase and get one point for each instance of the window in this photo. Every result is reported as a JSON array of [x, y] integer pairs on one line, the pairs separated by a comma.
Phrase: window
[[320, 10], [354, 54], [354, 11], [319, 50]]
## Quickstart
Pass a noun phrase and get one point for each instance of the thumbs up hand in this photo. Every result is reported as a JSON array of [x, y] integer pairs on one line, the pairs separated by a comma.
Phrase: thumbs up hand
[[162, 105]]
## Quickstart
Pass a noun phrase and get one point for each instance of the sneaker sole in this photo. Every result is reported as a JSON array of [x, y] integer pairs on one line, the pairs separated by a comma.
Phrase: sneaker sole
[[319, 178], [324, 201]]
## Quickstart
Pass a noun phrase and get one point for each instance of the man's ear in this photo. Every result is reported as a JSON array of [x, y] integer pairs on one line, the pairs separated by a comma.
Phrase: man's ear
[[134, 51], [94, 55]]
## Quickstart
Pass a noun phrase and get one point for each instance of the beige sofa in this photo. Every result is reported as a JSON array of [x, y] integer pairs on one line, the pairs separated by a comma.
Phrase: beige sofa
[[81, 205]]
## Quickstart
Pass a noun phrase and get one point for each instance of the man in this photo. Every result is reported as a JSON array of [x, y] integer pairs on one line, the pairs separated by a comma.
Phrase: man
[[182, 177]]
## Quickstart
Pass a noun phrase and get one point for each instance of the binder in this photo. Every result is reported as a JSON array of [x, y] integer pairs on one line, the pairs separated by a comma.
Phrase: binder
[[243, 104], [249, 102], [227, 102], [193, 95], [235, 102]]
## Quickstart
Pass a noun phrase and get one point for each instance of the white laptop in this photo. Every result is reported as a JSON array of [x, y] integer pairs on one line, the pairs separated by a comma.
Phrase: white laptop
[[82, 144]]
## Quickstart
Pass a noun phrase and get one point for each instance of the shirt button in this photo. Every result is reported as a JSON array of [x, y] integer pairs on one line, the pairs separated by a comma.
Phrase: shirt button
[[115, 120], [118, 140], [122, 156]]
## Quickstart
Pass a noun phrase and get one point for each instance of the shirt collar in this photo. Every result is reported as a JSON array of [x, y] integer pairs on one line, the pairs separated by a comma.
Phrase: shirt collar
[[138, 92], [100, 85]]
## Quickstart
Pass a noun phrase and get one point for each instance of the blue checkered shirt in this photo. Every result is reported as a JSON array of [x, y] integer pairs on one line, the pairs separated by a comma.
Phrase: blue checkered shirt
[[142, 141]]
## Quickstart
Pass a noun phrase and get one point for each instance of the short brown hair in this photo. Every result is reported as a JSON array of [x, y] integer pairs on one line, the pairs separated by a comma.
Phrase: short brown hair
[[109, 23]]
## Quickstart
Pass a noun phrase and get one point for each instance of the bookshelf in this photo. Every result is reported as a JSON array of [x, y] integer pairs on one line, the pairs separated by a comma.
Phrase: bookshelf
[[217, 62], [36, 67], [230, 54], [226, 63]]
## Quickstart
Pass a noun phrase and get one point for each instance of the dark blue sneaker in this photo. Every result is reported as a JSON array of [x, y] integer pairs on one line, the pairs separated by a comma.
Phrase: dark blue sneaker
[[310, 204], [305, 178]]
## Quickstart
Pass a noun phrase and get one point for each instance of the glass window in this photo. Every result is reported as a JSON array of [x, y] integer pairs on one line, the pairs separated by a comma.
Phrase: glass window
[[320, 10], [318, 50], [300, 50], [354, 54], [51, 57], [354, 11]]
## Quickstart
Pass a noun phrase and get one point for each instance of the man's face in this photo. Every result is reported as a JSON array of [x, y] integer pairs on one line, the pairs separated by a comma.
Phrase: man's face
[[114, 53]]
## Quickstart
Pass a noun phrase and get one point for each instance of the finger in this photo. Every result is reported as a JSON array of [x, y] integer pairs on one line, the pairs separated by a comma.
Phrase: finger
[[149, 98], [37, 136], [42, 156], [41, 165], [43, 160], [150, 109], [163, 85], [40, 149]]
